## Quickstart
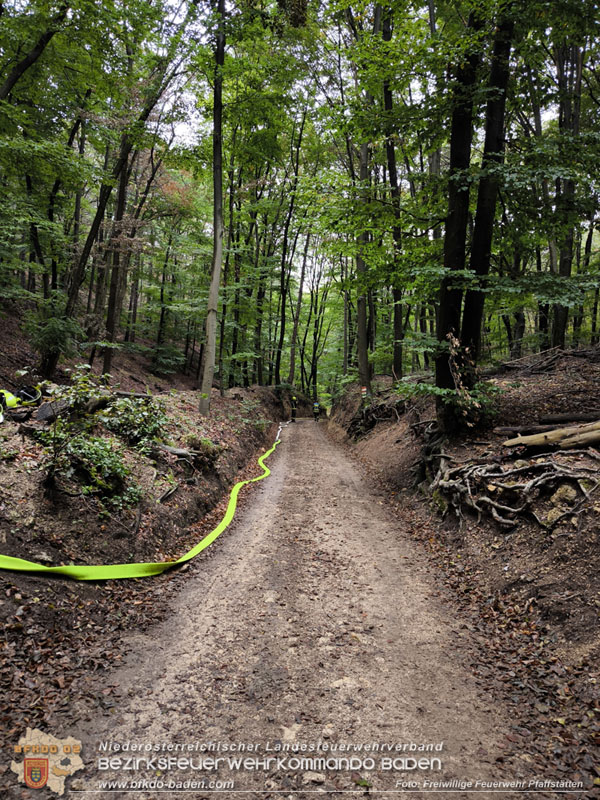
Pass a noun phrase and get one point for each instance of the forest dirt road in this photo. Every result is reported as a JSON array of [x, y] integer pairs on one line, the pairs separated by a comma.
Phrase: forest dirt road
[[313, 622]]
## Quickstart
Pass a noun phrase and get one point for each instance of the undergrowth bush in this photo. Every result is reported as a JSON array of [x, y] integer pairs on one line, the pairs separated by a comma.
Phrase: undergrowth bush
[[137, 420], [474, 406], [95, 463]]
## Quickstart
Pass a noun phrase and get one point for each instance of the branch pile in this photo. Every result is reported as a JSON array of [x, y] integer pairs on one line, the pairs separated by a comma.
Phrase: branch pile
[[548, 360], [541, 488]]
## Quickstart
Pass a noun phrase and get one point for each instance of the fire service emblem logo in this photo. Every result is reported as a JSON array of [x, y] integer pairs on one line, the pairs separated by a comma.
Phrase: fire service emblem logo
[[47, 761], [36, 772]]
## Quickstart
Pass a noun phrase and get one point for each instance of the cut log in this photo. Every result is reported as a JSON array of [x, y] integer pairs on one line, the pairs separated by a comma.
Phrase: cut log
[[581, 440], [554, 436], [136, 395]]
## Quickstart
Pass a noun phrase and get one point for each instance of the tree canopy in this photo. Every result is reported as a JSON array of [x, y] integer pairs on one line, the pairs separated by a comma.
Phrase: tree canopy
[[301, 194]]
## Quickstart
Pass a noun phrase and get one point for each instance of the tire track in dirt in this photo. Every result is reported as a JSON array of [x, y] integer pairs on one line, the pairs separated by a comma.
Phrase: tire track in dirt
[[314, 619]]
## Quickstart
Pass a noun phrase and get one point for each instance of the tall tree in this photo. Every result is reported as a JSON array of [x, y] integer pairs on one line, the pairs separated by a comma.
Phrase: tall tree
[[210, 348], [461, 138], [493, 156]]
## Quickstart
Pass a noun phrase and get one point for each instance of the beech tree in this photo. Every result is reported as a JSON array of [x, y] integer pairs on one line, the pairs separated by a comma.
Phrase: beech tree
[[217, 258], [301, 196]]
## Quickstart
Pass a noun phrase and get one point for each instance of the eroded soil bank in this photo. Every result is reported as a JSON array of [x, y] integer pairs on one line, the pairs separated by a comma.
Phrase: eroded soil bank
[[314, 621], [59, 635], [528, 595]]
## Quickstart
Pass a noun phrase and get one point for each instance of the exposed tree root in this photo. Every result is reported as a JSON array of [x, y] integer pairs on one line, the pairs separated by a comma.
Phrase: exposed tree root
[[507, 494], [367, 418]]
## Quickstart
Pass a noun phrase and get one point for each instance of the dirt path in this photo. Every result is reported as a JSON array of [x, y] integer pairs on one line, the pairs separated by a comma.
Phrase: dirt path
[[313, 620]]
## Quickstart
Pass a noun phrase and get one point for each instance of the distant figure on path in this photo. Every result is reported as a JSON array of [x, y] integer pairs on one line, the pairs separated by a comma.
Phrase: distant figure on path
[[316, 410], [294, 405]]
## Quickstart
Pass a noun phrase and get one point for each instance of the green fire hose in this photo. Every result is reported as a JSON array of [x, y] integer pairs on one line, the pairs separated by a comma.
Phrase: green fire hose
[[83, 572]]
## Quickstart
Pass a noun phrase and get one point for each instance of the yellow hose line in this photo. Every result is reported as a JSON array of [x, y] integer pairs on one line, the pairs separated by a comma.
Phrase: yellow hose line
[[98, 572]]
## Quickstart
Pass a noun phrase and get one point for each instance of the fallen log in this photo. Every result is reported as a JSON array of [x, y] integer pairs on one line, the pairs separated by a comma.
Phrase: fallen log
[[573, 416], [521, 430], [178, 451], [135, 395], [583, 439], [52, 409], [572, 434]]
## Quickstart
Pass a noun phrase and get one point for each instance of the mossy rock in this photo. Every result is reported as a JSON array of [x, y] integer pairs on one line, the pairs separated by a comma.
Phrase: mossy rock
[[565, 495], [553, 515]]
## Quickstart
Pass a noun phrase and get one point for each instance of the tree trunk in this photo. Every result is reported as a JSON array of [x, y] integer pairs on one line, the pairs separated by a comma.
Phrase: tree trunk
[[231, 202], [398, 357], [114, 310], [362, 339], [284, 278], [461, 136], [595, 338], [493, 157], [292, 372], [213, 295], [160, 334], [569, 65], [133, 305]]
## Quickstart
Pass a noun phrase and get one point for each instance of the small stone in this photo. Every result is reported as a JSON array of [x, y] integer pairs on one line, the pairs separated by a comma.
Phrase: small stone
[[43, 557], [313, 777], [553, 515]]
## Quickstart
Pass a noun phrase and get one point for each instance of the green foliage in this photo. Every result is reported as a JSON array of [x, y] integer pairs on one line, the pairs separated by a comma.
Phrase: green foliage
[[75, 453], [250, 416], [8, 454], [137, 420], [84, 387], [94, 462], [473, 406], [51, 334], [167, 359], [63, 124]]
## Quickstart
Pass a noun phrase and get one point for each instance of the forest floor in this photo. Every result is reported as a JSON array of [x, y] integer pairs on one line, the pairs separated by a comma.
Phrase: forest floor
[[315, 619], [340, 607]]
